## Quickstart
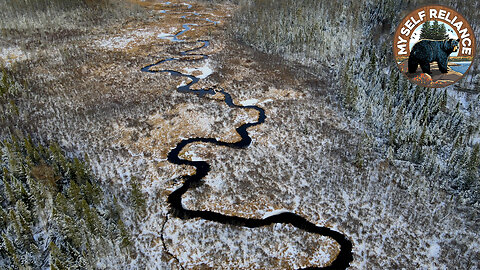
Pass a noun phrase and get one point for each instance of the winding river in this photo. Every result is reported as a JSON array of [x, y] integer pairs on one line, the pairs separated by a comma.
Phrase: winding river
[[342, 261]]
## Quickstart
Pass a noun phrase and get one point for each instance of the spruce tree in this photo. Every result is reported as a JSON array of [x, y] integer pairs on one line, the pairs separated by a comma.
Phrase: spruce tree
[[3, 218], [472, 166], [426, 31], [442, 32], [436, 31], [11, 250], [137, 198], [373, 60]]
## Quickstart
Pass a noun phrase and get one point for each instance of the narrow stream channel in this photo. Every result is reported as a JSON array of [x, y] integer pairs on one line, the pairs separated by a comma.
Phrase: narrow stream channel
[[342, 261]]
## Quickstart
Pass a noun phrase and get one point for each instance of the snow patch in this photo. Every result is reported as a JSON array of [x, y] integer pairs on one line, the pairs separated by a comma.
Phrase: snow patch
[[434, 250], [115, 43], [183, 83], [214, 22], [12, 54], [122, 42], [275, 212], [266, 101], [205, 70], [166, 36], [249, 102], [476, 139], [216, 183], [192, 156]]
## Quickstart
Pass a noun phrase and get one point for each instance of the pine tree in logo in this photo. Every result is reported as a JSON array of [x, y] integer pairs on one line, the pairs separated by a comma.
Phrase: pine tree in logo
[[436, 31]]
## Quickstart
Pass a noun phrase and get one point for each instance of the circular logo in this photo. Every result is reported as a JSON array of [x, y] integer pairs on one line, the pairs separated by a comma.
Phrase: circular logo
[[434, 46]]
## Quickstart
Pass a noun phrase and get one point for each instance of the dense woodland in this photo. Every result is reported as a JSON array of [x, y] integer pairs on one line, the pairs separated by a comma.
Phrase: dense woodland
[[436, 129], [54, 213]]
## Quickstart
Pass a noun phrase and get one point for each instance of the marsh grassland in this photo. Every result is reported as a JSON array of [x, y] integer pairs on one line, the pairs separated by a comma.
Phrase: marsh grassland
[[73, 82]]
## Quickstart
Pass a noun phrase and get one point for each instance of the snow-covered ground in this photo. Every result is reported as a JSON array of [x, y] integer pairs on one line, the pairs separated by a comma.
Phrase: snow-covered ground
[[131, 37], [201, 72], [249, 102], [10, 55], [166, 36]]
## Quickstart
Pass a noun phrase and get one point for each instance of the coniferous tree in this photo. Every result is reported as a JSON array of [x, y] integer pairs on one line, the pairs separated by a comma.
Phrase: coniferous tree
[[137, 198], [426, 31], [11, 251], [472, 165], [442, 32], [124, 235], [436, 31], [373, 60], [68, 215], [9, 193]]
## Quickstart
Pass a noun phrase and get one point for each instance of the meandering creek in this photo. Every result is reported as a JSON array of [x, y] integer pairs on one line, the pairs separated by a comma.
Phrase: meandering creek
[[343, 259]]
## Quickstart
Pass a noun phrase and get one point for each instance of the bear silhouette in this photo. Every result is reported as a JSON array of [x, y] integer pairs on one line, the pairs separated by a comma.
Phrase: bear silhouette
[[427, 51]]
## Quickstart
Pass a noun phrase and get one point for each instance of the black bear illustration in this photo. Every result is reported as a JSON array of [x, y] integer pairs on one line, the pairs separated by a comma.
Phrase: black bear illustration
[[427, 51]]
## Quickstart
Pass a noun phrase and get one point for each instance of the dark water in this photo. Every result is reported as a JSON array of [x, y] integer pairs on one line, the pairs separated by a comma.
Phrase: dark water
[[202, 168]]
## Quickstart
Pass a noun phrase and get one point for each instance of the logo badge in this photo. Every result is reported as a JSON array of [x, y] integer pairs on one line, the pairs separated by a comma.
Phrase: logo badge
[[434, 46]]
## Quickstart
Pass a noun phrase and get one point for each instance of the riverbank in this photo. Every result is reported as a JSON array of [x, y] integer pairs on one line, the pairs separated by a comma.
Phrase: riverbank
[[437, 79]]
